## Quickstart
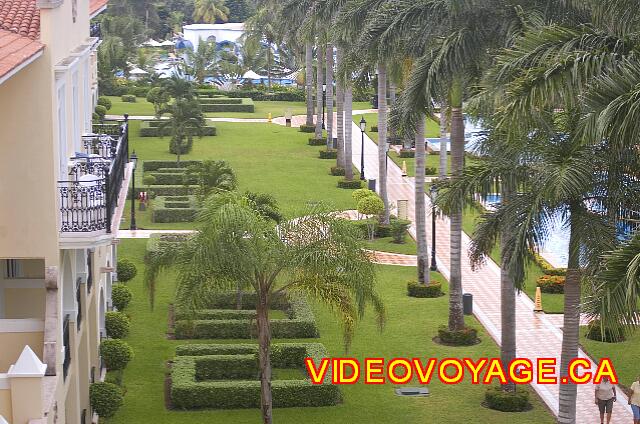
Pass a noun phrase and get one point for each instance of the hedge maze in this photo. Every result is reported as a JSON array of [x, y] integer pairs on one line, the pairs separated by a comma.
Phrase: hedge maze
[[174, 200]]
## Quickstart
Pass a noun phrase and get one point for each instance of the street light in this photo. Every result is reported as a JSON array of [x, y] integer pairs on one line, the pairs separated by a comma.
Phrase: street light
[[134, 161], [434, 196], [324, 101], [363, 127]]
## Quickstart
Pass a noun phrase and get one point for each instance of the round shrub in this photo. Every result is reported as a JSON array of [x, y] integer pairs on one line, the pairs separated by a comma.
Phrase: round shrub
[[337, 171], [500, 400], [106, 399], [95, 117], [361, 194], [128, 98], [415, 289], [104, 101], [126, 270], [595, 332], [551, 283], [116, 354], [117, 324], [101, 111], [149, 180], [466, 337], [371, 205], [120, 296]]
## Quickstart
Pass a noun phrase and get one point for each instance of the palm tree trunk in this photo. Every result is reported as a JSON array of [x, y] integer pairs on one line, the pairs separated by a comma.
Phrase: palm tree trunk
[[392, 101], [309, 81], [571, 326], [443, 140], [319, 82], [348, 131], [329, 77], [264, 360], [341, 163], [382, 139], [507, 299], [456, 317], [269, 54], [238, 296], [421, 225]]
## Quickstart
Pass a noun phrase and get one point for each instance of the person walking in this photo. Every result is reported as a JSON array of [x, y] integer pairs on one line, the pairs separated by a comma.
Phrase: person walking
[[605, 396], [634, 400]]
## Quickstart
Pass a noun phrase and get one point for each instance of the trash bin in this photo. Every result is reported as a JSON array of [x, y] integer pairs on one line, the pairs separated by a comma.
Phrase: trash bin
[[372, 185], [374, 101], [467, 304]]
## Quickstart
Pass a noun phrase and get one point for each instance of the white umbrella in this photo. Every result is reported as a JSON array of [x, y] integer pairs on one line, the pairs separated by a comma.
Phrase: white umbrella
[[252, 75], [138, 71], [152, 43], [168, 43]]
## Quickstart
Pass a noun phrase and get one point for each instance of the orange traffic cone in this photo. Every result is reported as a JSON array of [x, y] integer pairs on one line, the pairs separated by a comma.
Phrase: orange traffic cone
[[404, 168]]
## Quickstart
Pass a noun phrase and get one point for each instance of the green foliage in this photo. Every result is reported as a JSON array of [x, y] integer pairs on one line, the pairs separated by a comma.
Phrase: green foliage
[[230, 105], [547, 268], [265, 204], [362, 193], [121, 296], [154, 165], [328, 154], [374, 128], [430, 170], [211, 177], [126, 270], [595, 331], [337, 171], [370, 205], [101, 111], [149, 180], [116, 354], [407, 153], [466, 337], [104, 101], [174, 208], [399, 230], [307, 128], [317, 141], [350, 185], [128, 98], [117, 324], [185, 122], [500, 400], [415, 289], [159, 97], [551, 283], [105, 398]]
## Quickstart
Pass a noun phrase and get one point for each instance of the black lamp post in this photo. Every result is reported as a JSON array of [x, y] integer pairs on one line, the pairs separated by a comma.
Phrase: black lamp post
[[434, 196], [324, 102], [363, 127], [134, 161]]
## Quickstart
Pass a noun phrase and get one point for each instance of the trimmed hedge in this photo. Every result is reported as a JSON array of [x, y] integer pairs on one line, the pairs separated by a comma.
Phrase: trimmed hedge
[[500, 400], [338, 171], [317, 141], [245, 105], [350, 185], [177, 176], [117, 324], [307, 128], [547, 267], [239, 325], [414, 289], [407, 153], [430, 170], [219, 101], [150, 128], [189, 390], [329, 154], [170, 190], [121, 296], [105, 398], [465, 337], [551, 283], [128, 98], [286, 95], [174, 209], [116, 354], [374, 128], [126, 270], [153, 165]]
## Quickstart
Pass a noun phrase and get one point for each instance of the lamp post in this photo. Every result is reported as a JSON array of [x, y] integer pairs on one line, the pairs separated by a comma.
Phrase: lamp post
[[134, 161], [324, 102], [363, 127], [434, 196], [386, 163]]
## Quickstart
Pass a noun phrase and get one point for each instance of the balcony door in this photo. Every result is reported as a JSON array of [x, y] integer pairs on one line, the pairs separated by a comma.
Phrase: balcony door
[[62, 132]]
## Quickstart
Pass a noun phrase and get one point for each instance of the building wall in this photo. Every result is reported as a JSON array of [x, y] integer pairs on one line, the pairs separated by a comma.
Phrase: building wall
[[5, 402], [13, 344]]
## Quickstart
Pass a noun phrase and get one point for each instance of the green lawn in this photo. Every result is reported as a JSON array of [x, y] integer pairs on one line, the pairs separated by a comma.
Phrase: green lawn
[[624, 355], [386, 244], [432, 130], [410, 326], [262, 109]]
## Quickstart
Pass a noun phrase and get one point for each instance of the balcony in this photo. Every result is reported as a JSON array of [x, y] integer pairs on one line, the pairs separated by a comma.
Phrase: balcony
[[91, 195], [94, 30]]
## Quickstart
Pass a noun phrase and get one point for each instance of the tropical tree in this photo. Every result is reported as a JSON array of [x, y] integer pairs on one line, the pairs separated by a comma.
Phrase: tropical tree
[[211, 176], [159, 97], [318, 255], [265, 204], [178, 88], [186, 121], [175, 21], [203, 61], [262, 27], [210, 11]]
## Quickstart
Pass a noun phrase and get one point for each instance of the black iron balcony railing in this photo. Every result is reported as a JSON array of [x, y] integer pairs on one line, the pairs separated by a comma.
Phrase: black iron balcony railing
[[90, 196], [67, 347]]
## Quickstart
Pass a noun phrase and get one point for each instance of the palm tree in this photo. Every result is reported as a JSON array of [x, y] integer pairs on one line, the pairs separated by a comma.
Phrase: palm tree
[[186, 120], [263, 28], [211, 176], [444, 126], [203, 61], [308, 81], [329, 95], [341, 161], [175, 21], [318, 255], [319, 92], [179, 88], [420, 209], [210, 11]]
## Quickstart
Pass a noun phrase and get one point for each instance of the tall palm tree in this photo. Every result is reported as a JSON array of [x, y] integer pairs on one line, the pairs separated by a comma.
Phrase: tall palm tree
[[329, 95], [319, 91], [263, 27], [444, 126], [210, 11], [308, 81], [179, 88], [420, 209], [319, 255], [175, 21], [341, 160], [382, 139], [348, 131], [186, 121], [203, 61]]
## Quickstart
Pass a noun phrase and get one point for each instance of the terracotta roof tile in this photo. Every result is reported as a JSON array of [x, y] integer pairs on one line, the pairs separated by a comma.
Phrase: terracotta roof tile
[[21, 17], [16, 49], [96, 5]]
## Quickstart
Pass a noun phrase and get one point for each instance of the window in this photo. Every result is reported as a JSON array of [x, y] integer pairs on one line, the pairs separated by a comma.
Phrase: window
[[24, 268]]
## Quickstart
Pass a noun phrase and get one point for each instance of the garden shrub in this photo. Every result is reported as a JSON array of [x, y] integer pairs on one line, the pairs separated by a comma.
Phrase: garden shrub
[[361, 194], [399, 230], [173, 209], [307, 128], [415, 289], [430, 170], [117, 324], [329, 154], [500, 400], [120, 296], [551, 283], [337, 171], [95, 117], [150, 128], [105, 398], [177, 177], [547, 268], [246, 106], [105, 101], [374, 128], [317, 141], [116, 354], [465, 337], [190, 391], [219, 101], [101, 111], [128, 98], [182, 148], [170, 190], [595, 332], [154, 165], [126, 270], [407, 153], [350, 185]]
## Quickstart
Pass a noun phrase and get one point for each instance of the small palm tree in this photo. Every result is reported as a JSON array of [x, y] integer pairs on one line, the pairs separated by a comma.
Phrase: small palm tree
[[210, 11], [175, 21], [179, 88], [186, 120], [211, 176], [318, 255], [203, 60]]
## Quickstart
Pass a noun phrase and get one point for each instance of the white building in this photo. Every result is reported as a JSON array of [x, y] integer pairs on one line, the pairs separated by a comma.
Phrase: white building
[[231, 32]]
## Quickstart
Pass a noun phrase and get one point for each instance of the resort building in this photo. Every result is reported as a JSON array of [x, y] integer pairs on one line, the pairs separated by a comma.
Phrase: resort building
[[62, 192], [220, 33]]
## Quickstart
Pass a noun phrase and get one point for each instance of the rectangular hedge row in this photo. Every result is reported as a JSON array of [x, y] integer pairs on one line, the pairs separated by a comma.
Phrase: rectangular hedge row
[[150, 128], [154, 165], [174, 209], [170, 190], [283, 355], [300, 324], [245, 106], [173, 178], [190, 388], [219, 101]]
